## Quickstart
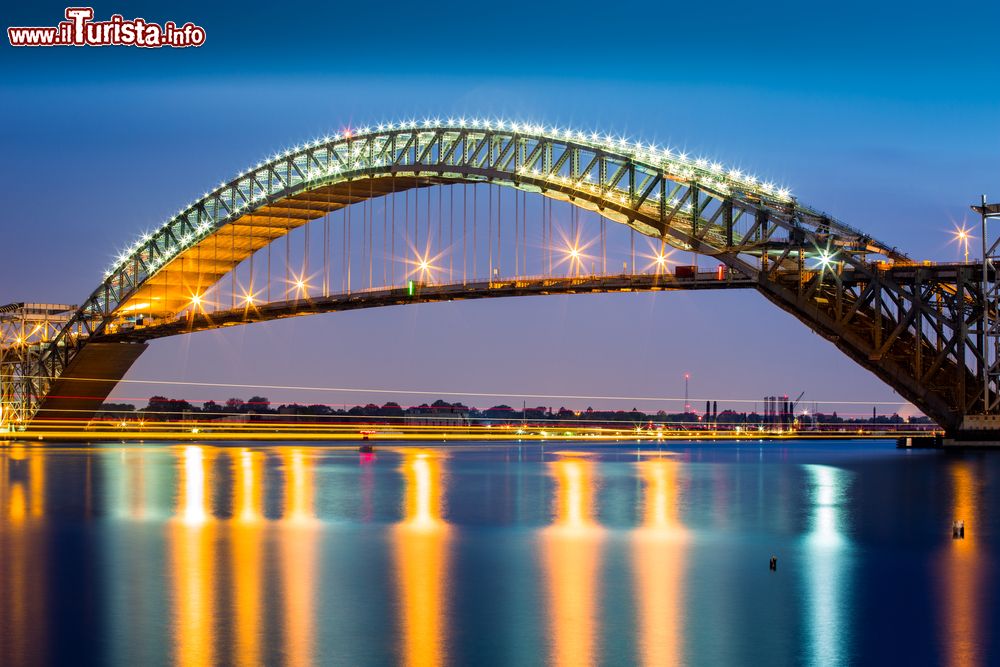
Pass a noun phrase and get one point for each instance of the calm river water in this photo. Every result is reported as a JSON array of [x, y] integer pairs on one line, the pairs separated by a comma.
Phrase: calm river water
[[498, 554]]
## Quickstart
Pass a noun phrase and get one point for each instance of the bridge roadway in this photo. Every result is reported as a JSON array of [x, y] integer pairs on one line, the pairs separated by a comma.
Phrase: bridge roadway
[[943, 275], [426, 293]]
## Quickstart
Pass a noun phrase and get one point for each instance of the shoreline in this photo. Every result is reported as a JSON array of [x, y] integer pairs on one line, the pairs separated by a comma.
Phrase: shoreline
[[437, 435]]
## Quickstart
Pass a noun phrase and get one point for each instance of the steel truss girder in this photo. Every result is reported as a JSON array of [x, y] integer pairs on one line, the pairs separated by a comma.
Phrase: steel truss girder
[[25, 329]]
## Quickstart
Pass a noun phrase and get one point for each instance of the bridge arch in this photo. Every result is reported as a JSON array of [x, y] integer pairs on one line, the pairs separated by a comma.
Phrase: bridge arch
[[831, 276], [649, 189]]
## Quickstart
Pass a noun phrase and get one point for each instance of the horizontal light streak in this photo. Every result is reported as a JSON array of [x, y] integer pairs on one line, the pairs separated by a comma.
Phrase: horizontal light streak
[[443, 393]]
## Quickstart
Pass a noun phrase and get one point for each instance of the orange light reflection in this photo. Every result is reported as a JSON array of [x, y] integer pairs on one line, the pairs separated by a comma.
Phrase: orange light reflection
[[421, 549], [962, 574], [247, 542], [23, 546], [192, 565], [299, 542], [571, 555], [658, 558]]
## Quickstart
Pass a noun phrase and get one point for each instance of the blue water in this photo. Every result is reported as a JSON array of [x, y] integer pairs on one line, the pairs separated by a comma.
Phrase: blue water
[[494, 554]]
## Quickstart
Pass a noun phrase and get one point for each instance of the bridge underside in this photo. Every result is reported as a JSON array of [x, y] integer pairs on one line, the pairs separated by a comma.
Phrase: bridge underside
[[205, 263]]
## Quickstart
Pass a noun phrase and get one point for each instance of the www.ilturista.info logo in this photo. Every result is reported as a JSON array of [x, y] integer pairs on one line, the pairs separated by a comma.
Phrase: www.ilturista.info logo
[[79, 29]]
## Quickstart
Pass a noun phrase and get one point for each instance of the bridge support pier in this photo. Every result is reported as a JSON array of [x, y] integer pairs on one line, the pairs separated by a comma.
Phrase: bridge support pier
[[76, 395], [977, 430], [963, 440]]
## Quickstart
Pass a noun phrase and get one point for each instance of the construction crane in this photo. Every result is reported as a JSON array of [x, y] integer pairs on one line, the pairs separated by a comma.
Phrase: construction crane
[[794, 405]]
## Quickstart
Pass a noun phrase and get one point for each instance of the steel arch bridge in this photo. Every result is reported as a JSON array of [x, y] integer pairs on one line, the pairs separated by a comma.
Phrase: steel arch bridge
[[917, 327]]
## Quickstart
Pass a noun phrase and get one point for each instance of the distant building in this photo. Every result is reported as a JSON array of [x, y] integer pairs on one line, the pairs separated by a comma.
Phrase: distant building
[[437, 415]]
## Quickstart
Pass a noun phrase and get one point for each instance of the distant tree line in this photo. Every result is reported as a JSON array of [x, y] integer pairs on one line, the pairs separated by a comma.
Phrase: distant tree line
[[259, 408]]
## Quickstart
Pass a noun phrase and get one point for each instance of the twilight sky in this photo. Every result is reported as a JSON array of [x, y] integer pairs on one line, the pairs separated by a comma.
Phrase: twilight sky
[[886, 114]]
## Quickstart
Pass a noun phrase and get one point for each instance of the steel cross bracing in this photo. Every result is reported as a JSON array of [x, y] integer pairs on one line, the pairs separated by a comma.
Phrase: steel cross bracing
[[25, 329], [989, 372], [914, 326]]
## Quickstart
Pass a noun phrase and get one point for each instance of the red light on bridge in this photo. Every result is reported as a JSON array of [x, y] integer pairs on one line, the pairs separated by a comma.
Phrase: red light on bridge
[[720, 272]]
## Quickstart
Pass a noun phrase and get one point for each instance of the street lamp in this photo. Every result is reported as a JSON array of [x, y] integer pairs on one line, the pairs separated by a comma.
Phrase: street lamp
[[962, 236]]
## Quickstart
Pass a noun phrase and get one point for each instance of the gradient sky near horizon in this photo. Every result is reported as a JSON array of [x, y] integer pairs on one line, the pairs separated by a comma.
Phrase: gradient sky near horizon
[[887, 115]]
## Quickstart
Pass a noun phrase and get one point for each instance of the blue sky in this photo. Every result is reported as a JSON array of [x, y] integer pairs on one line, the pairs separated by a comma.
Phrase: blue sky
[[884, 114]]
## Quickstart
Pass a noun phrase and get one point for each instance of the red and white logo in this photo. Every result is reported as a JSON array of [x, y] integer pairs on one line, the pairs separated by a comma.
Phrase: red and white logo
[[80, 29]]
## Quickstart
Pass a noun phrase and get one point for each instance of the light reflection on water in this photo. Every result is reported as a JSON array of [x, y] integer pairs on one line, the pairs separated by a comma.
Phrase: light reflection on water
[[659, 563], [315, 555], [420, 545], [247, 538], [298, 539], [192, 566], [571, 552], [828, 579], [963, 572], [22, 547]]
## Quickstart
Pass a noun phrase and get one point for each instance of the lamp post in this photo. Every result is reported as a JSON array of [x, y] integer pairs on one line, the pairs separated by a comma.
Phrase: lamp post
[[963, 237]]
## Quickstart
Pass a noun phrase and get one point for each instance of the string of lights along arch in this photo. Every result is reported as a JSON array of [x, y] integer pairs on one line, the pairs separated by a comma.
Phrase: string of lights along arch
[[447, 209]]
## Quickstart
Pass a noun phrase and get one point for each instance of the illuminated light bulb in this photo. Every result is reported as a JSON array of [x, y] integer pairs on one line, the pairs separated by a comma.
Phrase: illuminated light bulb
[[824, 259], [195, 300]]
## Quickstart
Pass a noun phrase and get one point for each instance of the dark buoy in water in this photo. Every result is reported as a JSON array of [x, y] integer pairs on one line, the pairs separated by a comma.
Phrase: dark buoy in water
[[774, 564], [366, 448], [958, 530]]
